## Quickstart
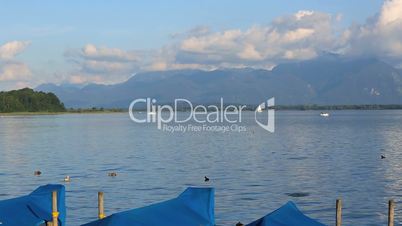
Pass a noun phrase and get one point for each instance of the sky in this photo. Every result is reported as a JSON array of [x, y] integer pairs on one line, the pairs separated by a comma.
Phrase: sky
[[107, 42]]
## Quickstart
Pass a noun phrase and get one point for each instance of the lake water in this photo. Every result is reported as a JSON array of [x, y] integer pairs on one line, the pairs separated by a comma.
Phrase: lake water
[[253, 171]]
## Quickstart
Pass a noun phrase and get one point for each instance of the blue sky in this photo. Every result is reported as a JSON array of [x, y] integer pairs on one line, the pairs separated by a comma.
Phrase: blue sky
[[53, 36]]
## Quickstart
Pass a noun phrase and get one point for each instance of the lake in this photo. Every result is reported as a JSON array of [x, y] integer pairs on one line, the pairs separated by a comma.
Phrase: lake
[[253, 171]]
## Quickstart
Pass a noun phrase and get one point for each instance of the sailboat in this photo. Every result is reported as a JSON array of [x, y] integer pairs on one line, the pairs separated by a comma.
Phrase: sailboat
[[324, 114], [259, 108]]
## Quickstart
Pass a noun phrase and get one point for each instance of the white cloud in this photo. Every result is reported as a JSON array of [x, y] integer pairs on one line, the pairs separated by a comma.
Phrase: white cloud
[[14, 71], [302, 13], [83, 78], [299, 36], [11, 70], [300, 54], [380, 37], [212, 42], [102, 64], [391, 12], [249, 53], [302, 35], [90, 51], [94, 66], [10, 49]]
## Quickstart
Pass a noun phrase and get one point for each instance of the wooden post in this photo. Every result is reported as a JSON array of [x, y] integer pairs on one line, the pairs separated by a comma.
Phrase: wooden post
[[391, 207], [55, 214], [101, 208], [338, 212]]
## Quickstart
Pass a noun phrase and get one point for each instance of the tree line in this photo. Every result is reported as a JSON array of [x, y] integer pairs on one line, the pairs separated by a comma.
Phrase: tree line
[[28, 100]]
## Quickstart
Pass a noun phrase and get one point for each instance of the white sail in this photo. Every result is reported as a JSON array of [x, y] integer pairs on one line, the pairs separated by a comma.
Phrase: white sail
[[324, 114], [259, 108]]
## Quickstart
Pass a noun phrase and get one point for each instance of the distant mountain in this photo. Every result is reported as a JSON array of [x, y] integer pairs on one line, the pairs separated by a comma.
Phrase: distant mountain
[[326, 80]]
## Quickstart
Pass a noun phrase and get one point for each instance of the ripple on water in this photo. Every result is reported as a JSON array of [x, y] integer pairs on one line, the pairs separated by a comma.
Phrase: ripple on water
[[298, 194], [307, 159]]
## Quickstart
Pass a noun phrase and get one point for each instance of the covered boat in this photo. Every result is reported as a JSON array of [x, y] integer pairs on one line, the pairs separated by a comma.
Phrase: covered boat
[[287, 215], [194, 207], [34, 209]]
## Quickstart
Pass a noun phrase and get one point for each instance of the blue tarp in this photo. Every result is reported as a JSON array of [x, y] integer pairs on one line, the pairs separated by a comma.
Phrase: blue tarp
[[286, 215], [33, 209], [194, 207]]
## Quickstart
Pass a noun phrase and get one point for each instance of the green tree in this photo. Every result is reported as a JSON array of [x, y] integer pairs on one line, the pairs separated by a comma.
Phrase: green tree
[[28, 100]]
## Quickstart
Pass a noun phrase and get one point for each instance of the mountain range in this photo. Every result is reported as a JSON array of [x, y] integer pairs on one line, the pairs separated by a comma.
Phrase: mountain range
[[326, 80]]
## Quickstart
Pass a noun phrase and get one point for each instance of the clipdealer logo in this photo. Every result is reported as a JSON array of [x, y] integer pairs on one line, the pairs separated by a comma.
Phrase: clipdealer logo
[[197, 118], [270, 124]]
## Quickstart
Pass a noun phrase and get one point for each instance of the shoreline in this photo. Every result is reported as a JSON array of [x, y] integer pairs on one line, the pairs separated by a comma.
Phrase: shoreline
[[143, 111], [56, 113]]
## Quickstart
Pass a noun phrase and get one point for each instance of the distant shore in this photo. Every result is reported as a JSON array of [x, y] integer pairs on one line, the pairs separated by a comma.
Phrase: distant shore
[[71, 111], [340, 107], [248, 108]]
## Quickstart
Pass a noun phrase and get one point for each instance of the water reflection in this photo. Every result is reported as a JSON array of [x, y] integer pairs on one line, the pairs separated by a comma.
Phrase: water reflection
[[309, 159]]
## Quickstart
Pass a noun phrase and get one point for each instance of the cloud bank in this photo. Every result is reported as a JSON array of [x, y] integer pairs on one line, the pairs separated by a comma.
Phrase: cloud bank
[[303, 35], [296, 37], [381, 36], [101, 64], [13, 73]]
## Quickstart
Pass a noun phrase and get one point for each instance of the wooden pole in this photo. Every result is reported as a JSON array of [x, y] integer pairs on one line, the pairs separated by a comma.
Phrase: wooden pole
[[338, 212], [55, 214], [391, 208], [101, 207]]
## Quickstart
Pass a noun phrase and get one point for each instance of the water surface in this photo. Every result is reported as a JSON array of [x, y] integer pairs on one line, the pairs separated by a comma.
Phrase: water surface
[[309, 159]]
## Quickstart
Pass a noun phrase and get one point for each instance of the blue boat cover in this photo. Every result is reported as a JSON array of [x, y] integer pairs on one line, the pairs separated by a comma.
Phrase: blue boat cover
[[194, 207], [287, 215], [33, 209]]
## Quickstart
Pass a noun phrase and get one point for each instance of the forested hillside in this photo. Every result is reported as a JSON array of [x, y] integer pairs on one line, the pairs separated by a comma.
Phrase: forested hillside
[[28, 100]]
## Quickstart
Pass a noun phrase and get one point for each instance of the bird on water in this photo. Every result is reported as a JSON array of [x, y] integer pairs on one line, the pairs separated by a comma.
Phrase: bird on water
[[382, 156], [37, 173], [206, 179], [112, 174], [67, 179]]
